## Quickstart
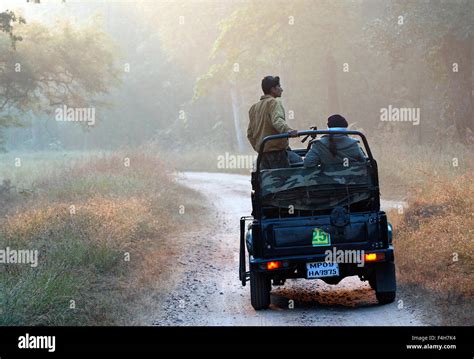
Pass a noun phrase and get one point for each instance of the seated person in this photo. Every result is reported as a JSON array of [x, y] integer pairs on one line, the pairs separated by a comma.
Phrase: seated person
[[334, 149], [294, 158]]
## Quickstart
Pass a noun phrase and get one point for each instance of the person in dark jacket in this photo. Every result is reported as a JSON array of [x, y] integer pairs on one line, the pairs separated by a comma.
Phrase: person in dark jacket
[[334, 149]]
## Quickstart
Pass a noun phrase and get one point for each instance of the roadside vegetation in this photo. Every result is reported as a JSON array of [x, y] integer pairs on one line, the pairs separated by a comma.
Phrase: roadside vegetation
[[434, 249], [100, 225]]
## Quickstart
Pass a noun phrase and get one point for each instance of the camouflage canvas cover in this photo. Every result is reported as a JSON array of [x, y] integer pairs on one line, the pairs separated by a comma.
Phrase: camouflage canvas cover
[[299, 186], [282, 179]]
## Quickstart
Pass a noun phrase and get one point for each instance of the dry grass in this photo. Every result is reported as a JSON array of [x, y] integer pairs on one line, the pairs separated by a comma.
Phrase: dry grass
[[85, 218], [406, 166], [435, 247]]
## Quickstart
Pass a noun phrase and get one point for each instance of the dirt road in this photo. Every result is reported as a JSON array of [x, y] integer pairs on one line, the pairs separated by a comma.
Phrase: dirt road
[[207, 291]]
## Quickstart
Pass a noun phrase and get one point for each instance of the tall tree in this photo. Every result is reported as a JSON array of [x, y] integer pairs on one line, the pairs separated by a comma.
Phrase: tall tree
[[438, 37], [51, 68]]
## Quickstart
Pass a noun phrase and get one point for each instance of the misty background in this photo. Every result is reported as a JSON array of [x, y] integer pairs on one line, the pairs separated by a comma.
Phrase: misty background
[[183, 74]]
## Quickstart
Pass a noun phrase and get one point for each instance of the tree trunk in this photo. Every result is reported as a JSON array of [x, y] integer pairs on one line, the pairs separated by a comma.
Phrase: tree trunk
[[460, 96], [333, 95], [237, 118]]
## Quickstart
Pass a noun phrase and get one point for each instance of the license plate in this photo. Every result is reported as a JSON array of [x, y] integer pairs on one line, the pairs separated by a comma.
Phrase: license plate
[[322, 269]]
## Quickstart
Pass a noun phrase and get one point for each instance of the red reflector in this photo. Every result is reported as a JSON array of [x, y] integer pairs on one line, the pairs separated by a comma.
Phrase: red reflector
[[273, 265], [374, 257]]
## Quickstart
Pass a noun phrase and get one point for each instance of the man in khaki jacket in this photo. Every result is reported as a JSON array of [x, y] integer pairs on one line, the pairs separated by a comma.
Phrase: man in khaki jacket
[[267, 117]]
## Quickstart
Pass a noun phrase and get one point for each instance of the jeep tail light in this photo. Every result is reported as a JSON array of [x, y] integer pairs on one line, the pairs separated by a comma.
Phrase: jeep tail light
[[273, 265], [374, 257]]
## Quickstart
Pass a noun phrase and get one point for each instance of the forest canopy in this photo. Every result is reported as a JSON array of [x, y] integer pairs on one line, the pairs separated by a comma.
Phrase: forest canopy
[[185, 73]]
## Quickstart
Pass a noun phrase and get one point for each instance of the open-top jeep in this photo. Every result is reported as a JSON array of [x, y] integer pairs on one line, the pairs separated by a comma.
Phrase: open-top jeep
[[306, 220]]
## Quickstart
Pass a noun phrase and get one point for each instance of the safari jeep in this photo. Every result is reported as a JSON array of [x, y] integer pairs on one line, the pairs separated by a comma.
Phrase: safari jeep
[[306, 220]]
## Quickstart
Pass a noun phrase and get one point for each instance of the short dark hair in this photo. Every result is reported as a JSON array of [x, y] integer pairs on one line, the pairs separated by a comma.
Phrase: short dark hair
[[269, 82], [337, 121]]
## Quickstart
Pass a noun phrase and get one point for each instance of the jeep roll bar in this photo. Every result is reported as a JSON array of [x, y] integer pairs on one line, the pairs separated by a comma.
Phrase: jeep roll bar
[[309, 133]]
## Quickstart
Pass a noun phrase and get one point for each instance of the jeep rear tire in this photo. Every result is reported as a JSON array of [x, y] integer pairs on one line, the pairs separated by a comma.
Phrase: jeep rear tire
[[385, 297], [260, 287], [385, 282], [372, 282]]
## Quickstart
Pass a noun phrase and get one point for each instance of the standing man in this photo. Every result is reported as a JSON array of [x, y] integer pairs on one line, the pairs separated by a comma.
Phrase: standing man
[[267, 117]]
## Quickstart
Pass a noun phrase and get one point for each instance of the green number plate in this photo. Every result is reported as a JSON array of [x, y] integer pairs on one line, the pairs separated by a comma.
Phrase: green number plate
[[321, 238]]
